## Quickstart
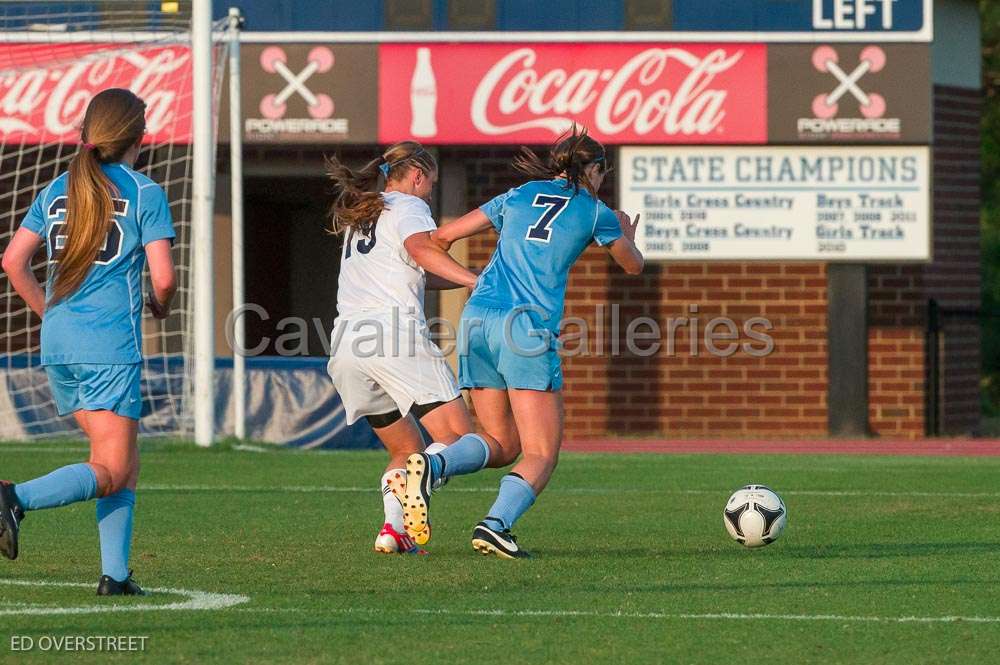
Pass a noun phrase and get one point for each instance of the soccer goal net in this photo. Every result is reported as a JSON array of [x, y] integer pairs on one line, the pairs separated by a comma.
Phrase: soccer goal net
[[54, 56]]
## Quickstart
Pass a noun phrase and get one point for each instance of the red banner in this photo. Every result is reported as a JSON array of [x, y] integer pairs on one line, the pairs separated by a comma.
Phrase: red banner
[[532, 93], [45, 101]]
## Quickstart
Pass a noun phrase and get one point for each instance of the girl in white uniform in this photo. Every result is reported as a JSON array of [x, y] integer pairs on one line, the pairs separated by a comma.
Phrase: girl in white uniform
[[382, 362]]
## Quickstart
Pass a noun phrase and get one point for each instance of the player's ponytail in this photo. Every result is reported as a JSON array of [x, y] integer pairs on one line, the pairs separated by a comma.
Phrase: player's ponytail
[[356, 204], [114, 122], [570, 155]]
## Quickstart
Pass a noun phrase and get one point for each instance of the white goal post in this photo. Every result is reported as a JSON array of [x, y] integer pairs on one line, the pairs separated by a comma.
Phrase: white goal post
[[53, 57]]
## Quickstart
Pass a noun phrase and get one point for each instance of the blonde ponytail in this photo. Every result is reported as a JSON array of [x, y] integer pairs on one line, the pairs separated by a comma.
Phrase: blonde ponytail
[[114, 122]]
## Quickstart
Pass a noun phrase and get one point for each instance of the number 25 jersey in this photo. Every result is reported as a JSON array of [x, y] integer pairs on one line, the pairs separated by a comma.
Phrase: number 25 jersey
[[100, 322]]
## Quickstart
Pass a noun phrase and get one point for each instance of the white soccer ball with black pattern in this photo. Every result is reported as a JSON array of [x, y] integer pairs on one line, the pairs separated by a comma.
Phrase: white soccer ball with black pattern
[[755, 516]]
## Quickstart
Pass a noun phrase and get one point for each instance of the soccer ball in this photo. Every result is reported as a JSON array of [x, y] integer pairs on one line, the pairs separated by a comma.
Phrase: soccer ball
[[755, 516]]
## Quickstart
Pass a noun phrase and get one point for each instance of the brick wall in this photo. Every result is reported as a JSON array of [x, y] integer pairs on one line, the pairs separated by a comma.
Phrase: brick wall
[[681, 393], [898, 294]]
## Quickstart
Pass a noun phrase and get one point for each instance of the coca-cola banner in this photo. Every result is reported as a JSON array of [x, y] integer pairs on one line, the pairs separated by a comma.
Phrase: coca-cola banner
[[44, 100], [532, 93]]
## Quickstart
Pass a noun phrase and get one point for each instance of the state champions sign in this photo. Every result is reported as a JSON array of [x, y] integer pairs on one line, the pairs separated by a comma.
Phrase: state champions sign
[[816, 203]]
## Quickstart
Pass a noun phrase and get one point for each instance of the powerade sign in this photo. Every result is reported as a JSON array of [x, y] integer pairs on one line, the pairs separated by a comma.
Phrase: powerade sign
[[836, 16]]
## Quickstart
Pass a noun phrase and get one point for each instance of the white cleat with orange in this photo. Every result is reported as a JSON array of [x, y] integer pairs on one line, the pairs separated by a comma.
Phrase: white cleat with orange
[[390, 541]]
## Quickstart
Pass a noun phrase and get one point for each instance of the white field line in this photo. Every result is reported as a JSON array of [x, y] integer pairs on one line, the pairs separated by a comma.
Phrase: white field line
[[196, 600], [250, 448], [618, 614], [201, 600], [332, 489]]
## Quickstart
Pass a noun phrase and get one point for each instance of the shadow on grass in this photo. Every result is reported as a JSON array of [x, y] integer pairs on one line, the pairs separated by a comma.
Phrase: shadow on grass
[[757, 585], [832, 551], [888, 550]]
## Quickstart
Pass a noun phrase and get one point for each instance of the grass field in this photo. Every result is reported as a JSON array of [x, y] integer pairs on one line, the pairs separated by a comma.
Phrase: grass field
[[885, 560]]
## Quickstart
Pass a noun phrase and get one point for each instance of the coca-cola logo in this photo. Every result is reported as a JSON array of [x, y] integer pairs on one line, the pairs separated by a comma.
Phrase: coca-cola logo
[[626, 98], [48, 103], [622, 93]]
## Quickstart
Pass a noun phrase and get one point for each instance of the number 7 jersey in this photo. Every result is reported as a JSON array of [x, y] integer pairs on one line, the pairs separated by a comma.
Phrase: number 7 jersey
[[100, 322], [544, 226]]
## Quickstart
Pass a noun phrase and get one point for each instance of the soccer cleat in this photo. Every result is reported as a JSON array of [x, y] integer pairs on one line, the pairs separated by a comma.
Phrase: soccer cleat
[[110, 587], [397, 484], [11, 515], [501, 543], [417, 498], [390, 541]]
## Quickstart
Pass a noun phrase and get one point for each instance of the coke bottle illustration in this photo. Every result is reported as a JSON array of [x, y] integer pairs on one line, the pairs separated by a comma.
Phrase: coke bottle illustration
[[423, 96]]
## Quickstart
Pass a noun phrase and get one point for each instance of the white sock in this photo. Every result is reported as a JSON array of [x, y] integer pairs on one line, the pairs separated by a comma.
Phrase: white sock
[[392, 506], [435, 448]]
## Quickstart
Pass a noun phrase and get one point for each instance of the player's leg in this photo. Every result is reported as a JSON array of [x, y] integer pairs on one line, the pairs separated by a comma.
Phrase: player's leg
[[539, 418], [115, 454], [465, 453], [65, 485], [534, 378], [401, 439], [472, 451], [113, 401], [363, 397], [493, 411]]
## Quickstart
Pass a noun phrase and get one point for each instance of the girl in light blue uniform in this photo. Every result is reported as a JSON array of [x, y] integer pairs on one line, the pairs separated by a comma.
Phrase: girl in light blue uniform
[[100, 222], [507, 341]]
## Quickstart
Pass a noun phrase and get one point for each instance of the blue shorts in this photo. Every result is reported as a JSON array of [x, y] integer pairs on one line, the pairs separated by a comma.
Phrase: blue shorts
[[509, 348], [90, 387]]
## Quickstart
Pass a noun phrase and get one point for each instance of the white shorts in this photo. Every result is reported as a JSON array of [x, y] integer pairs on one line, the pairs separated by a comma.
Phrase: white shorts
[[376, 376]]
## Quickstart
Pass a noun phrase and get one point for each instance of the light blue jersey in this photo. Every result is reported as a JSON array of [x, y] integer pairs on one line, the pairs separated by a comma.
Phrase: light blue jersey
[[544, 226], [100, 323]]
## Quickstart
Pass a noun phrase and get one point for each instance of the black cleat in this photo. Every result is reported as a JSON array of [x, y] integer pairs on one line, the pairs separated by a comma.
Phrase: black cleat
[[501, 543], [109, 587], [11, 515], [417, 498]]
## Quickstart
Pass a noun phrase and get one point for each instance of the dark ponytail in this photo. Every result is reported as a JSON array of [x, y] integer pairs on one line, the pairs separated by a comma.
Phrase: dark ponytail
[[356, 204], [571, 154]]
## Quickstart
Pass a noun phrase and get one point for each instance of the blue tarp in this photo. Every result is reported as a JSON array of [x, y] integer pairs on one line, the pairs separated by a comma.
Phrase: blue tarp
[[290, 402]]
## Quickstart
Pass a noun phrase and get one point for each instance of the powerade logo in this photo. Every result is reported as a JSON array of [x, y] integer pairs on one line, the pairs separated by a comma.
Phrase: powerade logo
[[871, 105]]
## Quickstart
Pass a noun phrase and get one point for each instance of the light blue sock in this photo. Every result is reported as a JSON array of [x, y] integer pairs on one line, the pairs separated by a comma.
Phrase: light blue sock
[[467, 455], [62, 487], [515, 497], [114, 523]]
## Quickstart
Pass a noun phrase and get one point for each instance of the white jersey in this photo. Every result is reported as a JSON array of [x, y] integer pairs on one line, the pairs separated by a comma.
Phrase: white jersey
[[382, 286], [377, 274]]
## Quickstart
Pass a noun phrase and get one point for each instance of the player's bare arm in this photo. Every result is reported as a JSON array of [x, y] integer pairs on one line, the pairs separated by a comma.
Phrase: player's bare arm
[[162, 276], [17, 265], [623, 250], [465, 226], [430, 256]]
